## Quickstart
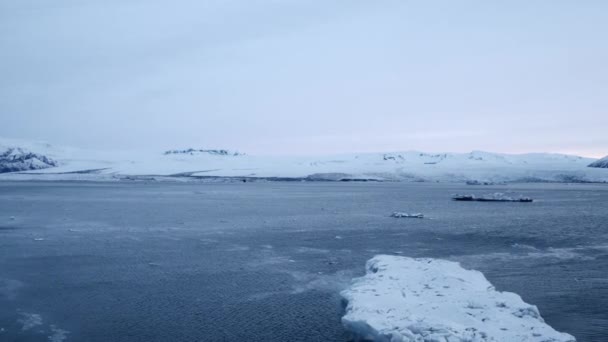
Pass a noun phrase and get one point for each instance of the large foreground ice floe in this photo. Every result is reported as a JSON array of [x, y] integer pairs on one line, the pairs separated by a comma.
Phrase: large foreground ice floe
[[428, 300]]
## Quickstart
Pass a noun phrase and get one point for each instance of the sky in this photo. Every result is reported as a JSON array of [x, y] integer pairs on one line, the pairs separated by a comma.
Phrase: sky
[[296, 77]]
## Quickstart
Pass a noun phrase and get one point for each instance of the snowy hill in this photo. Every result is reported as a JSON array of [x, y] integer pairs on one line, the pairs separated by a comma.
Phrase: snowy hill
[[602, 163], [70, 163]]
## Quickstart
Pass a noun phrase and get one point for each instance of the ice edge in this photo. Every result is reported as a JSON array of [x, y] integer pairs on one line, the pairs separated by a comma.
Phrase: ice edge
[[405, 299]]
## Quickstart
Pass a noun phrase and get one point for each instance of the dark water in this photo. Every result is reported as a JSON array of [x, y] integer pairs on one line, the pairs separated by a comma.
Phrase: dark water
[[266, 261]]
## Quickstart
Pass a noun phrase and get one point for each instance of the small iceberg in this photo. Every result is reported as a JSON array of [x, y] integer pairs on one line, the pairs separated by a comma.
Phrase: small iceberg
[[400, 215], [495, 197], [403, 299]]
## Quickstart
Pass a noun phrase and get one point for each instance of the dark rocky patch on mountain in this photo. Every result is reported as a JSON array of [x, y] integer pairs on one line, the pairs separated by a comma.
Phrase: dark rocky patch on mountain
[[602, 163], [15, 159], [192, 151]]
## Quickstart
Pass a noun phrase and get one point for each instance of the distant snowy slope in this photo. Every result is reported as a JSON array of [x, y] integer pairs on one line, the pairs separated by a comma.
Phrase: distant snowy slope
[[602, 163], [398, 166]]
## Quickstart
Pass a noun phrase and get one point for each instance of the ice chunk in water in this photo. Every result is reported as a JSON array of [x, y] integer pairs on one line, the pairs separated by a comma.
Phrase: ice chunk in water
[[405, 299]]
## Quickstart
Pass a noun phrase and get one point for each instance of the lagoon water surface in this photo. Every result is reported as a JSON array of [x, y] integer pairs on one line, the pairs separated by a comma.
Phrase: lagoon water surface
[[266, 261]]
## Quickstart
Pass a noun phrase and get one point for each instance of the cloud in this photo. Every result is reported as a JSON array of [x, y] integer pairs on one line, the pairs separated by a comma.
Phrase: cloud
[[276, 77]]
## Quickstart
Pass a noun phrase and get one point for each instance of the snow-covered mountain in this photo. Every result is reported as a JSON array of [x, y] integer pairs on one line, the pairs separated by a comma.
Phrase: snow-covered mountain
[[602, 163], [71, 163]]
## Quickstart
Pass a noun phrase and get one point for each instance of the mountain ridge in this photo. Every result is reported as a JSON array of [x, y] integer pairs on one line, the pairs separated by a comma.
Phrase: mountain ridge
[[486, 167]]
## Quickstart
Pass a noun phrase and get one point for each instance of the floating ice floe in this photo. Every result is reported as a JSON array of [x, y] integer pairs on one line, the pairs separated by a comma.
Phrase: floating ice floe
[[477, 182], [495, 197], [400, 215], [403, 299]]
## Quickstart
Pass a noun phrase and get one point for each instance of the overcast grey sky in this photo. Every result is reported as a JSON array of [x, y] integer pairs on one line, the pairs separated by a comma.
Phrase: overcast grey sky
[[307, 77]]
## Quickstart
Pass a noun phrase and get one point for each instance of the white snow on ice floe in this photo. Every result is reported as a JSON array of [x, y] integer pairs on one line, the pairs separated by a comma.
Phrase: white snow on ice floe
[[397, 214], [405, 299]]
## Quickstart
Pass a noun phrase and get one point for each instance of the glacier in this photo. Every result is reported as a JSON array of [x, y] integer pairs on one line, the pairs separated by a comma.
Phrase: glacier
[[403, 299], [50, 162]]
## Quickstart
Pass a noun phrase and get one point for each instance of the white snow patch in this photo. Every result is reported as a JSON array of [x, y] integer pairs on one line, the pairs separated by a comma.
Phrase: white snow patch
[[405, 299]]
